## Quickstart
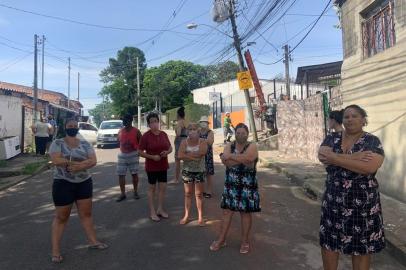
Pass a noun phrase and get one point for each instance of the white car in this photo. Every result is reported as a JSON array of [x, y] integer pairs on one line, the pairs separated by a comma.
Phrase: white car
[[87, 132], [108, 132]]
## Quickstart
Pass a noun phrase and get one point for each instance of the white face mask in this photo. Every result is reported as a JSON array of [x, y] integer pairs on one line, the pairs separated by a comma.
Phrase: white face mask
[[204, 125]]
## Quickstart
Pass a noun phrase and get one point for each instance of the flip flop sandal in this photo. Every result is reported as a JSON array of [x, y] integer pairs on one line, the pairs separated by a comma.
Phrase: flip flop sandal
[[207, 195], [245, 248], [99, 246], [162, 216], [57, 259], [184, 222], [216, 246], [155, 219]]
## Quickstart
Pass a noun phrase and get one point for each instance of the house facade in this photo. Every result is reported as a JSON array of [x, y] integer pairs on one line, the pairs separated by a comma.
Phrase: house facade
[[374, 77]]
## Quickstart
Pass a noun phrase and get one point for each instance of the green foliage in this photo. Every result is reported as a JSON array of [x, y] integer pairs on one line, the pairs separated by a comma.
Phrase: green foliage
[[101, 112], [170, 83], [120, 79], [221, 72], [32, 167], [193, 112], [188, 100]]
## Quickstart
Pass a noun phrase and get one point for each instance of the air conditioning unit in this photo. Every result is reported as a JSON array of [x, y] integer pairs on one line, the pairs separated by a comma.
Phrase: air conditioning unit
[[9, 147]]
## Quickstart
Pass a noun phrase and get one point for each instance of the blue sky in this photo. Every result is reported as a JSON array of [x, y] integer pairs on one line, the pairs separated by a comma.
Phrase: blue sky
[[90, 47]]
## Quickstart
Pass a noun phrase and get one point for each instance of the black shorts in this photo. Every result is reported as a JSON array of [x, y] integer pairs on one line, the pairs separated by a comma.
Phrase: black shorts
[[66, 193], [160, 176], [50, 138]]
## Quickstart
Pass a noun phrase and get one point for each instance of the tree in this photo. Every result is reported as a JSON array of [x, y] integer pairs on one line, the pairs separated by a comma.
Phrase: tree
[[101, 112], [221, 72], [170, 83], [120, 79]]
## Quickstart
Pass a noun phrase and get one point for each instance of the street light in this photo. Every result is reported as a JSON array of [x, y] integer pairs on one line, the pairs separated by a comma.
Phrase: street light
[[237, 45], [195, 25]]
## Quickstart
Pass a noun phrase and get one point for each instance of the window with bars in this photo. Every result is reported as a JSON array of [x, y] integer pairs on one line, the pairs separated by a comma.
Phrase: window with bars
[[378, 28]]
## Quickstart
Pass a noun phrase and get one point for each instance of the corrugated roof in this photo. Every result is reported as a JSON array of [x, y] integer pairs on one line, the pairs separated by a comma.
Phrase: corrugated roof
[[316, 72]]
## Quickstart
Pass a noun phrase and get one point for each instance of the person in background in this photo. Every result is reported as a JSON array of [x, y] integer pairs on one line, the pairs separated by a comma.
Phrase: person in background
[[128, 158], [228, 133], [53, 131], [72, 184], [193, 151], [180, 131], [42, 131], [240, 192], [335, 121], [207, 134], [351, 220], [155, 147]]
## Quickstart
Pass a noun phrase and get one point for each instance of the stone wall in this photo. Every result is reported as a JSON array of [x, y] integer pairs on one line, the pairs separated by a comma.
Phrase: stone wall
[[300, 127]]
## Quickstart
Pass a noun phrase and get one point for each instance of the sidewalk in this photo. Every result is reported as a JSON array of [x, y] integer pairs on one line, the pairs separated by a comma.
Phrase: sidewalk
[[20, 168], [311, 176]]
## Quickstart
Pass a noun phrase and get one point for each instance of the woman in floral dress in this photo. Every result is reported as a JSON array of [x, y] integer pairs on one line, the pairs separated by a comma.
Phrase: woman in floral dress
[[240, 188], [351, 214], [207, 134]]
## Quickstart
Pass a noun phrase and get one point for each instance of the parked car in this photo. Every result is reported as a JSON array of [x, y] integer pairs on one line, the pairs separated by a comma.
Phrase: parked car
[[87, 132], [108, 132]]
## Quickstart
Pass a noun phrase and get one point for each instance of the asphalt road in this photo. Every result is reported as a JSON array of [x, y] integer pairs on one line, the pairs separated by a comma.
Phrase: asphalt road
[[285, 233]]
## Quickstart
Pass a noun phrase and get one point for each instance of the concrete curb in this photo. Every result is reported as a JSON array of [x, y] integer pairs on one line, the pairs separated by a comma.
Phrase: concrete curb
[[395, 247], [21, 178]]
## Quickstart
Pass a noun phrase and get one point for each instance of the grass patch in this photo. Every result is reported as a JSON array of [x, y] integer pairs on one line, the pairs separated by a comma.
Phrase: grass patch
[[3, 163], [32, 167]]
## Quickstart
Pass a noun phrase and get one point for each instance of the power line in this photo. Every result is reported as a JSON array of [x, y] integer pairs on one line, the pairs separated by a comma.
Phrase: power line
[[303, 38], [15, 61], [90, 24]]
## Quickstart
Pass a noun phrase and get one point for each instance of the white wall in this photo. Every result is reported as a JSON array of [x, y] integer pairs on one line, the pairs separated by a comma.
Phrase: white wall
[[10, 116]]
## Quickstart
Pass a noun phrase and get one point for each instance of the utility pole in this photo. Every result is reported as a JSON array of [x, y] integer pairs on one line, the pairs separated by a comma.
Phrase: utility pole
[[138, 96], [42, 69], [78, 85], [286, 61], [69, 83], [35, 78], [237, 45]]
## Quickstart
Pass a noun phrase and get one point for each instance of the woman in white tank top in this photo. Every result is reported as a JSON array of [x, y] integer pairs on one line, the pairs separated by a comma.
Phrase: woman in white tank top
[[192, 151]]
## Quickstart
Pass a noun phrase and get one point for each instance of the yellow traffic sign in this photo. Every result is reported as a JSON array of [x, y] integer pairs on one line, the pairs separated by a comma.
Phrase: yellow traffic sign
[[244, 80]]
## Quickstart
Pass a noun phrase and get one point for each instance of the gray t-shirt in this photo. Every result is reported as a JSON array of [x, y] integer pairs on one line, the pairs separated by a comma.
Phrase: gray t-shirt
[[80, 153]]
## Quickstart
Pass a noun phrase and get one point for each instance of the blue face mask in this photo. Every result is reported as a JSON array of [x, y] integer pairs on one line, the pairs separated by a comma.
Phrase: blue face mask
[[72, 132]]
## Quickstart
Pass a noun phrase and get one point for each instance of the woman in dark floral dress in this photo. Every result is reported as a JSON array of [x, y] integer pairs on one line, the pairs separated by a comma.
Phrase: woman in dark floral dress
[[240, 188], [207, 134], [351, 214]]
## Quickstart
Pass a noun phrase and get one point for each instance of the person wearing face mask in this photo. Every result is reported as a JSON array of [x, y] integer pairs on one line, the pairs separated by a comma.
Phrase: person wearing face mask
[[193, 151], [240, 192], [41, 130], [72, 184], [208, 135], [128, 158], [154, 147]]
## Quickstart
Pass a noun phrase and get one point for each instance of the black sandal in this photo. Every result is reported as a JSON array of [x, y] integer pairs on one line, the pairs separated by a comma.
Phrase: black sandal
[[207, 195]]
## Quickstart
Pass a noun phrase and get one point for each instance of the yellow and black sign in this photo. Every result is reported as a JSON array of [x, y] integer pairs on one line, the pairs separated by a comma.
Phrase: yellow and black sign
[[244, 80]]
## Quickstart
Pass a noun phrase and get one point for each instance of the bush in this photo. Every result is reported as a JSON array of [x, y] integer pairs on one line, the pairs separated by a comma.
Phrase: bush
[[193, 112]]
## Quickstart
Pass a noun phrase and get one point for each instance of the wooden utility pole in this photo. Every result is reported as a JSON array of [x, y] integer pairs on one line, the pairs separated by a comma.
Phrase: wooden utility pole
[[35, 88]]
